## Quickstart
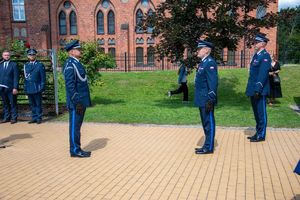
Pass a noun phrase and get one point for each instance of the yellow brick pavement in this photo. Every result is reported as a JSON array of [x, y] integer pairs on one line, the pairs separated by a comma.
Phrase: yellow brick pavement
[[146, 162]]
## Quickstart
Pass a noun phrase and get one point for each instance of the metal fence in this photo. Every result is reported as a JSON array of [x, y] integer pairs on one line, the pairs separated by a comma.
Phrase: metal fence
[[127, 63]]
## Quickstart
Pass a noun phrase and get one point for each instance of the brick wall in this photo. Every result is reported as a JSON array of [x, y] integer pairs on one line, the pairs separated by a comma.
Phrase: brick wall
[[41, 33]]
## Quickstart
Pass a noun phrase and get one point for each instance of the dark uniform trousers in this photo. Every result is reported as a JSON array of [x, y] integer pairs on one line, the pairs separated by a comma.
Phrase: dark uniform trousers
[[206, 84], [209, 127], [75, 123], [35, 101], [9, 80], [77, 92], [297, 168], [260, 115]]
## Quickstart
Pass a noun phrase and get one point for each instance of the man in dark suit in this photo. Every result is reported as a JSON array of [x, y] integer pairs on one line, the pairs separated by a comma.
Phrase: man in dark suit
[[34, 85], [9, 84], [206, 85], [78, 96], [258, 87]]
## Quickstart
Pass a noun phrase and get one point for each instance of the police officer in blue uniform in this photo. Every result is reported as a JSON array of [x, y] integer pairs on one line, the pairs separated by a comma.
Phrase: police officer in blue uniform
[[34, 85], [206, 84], [78, 96], [9, 85], [258, 87], [297, 168]]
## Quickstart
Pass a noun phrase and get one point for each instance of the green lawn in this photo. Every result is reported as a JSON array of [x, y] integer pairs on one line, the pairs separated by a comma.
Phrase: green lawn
[[140, 97]]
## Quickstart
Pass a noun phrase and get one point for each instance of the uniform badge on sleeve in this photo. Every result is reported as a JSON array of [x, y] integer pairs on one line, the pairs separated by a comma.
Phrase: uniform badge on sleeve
[[212, 67], [266, 60]]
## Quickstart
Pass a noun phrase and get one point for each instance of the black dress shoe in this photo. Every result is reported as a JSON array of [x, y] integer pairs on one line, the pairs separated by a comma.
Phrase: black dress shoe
[[257, 139], [252, 137], [80, 154], [86, 152], [204, 151], [5, 121], [13, 121], [198, 149], [32, 121], [39, 121]]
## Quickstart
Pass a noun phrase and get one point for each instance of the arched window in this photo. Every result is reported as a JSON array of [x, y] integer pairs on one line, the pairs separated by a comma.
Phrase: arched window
[[105, 4], [62, 23], [16, 32], [111, 22], [139, 57], [150, 28], [112, 51], [73, 23], [23, 32], [150, 56], [145, 3], [138, 19], [100, 23]]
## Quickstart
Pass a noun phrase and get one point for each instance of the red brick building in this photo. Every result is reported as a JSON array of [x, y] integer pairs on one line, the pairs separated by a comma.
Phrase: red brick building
[[49, 23]]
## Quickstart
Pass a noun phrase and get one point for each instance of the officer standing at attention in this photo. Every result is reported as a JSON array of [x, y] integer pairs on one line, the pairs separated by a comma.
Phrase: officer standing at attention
[[9, 84], [78, 96], [206, 84], [258, 86], [34, 85]]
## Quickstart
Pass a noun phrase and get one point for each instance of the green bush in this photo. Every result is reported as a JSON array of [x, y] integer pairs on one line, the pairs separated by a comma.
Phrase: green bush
[[17, 47], [93, 59]]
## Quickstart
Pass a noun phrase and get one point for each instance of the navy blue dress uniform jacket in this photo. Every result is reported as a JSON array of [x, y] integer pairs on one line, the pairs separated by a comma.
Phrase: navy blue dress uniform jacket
[[9, 76], [206, 82], [34, 77], [77, 88], [259, 74]]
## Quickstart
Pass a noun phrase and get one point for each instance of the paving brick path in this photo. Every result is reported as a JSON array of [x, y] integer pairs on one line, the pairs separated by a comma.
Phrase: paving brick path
[[146, 162]]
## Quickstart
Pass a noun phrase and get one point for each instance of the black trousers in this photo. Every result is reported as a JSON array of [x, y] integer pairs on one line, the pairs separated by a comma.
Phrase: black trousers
[[9, 102], [182, 88]]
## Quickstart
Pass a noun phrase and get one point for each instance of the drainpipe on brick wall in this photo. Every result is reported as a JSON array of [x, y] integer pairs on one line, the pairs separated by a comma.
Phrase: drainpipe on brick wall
[[50, 34]]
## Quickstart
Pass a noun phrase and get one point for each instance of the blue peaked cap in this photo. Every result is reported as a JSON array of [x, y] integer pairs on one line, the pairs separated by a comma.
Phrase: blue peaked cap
[[31, 52], [74, 44], [261, 38], [202, 43]]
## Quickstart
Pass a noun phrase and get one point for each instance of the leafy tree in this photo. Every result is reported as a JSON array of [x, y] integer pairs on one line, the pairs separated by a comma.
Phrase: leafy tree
[[17, 47], [289, 35], [178, 24], [93, 59]]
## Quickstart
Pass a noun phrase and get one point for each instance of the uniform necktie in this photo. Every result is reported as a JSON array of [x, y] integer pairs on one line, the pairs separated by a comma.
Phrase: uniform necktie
[[5, 65]]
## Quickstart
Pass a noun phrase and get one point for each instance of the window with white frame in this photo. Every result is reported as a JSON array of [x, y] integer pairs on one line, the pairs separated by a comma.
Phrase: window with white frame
[[18, 10]]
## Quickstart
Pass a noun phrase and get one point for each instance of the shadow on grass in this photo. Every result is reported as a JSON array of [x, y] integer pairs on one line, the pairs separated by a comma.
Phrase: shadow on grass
[[297, 101], [228, 95], [14, 137], [96, 144], [103, 101]]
